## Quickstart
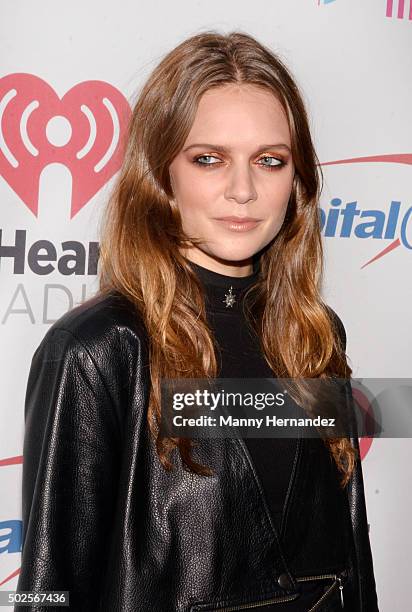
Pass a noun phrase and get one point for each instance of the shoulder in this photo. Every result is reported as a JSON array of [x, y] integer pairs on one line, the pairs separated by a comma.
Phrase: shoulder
[[88, 366], [338, 325], [106, 326]]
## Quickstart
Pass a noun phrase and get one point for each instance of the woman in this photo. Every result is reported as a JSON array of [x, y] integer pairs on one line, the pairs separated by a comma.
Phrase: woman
[[121, 517]]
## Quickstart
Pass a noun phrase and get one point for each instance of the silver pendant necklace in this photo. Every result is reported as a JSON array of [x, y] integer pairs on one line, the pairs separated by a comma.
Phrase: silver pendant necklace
[[230, 298]]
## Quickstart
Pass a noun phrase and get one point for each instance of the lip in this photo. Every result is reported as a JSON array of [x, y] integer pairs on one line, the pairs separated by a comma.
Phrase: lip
[[237, 219], [239, 224]]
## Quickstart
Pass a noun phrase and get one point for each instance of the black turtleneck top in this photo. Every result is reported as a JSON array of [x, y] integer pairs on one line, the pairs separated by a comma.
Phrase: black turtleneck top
[[240, 356]]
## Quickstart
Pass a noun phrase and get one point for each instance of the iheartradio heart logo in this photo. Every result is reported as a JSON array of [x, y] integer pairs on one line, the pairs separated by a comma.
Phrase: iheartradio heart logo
[[84, 130]]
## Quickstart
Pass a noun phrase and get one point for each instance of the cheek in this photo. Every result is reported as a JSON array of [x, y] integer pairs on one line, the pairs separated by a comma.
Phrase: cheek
[[277, 198], [192, 203], [196, 195], [193, 209], [280, 194]]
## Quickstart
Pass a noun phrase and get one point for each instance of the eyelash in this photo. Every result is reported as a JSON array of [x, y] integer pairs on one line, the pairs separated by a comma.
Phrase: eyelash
[[270, 168]]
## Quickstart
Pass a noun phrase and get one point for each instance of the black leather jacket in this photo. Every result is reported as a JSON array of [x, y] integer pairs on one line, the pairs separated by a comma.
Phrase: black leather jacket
[[103, 520]]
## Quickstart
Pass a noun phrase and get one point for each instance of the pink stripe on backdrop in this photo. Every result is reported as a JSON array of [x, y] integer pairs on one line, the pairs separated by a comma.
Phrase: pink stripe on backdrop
[[390, 247], [389, 8], [401, 6], [11, 460]]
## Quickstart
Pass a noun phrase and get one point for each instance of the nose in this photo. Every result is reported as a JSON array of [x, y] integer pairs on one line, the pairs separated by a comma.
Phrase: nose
[[240, 186]]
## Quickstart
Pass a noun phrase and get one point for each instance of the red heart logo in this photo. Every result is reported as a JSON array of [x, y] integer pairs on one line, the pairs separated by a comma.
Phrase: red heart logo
[[96, 115]]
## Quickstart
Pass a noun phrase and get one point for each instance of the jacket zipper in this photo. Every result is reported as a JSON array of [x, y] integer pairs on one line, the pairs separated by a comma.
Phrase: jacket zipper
[[258, 604], [337, 579]]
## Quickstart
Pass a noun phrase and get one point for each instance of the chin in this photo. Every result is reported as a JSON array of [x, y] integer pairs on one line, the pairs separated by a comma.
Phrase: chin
[[232, 255]]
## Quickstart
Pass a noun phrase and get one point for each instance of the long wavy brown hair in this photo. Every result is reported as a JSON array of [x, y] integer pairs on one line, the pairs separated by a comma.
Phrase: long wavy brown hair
[[142, 238]]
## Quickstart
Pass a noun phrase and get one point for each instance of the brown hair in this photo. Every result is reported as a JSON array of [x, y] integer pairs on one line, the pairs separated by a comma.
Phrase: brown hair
[[142, 237]]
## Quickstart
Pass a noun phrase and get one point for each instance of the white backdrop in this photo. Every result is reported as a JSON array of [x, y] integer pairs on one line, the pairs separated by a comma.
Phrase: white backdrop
[[353, 60]]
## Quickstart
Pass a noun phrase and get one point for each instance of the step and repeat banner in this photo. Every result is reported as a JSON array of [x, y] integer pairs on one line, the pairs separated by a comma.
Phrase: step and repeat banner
[[69, 75]]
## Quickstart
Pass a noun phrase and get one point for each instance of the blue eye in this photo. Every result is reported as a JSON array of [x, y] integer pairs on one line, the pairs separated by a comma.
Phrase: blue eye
[[196, 160], [273, 166]]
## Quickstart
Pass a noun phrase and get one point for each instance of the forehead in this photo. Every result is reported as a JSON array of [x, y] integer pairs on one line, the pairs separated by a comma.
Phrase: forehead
[[239, 110]]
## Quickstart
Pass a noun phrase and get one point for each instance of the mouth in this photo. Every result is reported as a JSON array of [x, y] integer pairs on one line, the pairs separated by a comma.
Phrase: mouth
[[237, 219], [239, 224]]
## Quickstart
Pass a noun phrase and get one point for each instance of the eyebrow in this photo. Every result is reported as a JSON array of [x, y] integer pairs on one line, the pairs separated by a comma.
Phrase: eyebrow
[[223, 149]]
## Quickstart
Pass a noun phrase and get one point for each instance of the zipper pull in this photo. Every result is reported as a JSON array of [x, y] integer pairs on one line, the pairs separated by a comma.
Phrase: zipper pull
[[341, 593]]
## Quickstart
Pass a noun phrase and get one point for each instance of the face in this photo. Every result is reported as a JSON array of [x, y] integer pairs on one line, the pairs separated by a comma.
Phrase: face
[[236, 162]]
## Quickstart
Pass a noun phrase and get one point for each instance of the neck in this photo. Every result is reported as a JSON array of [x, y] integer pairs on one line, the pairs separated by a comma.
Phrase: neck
[[239, 268], [223, 293]]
